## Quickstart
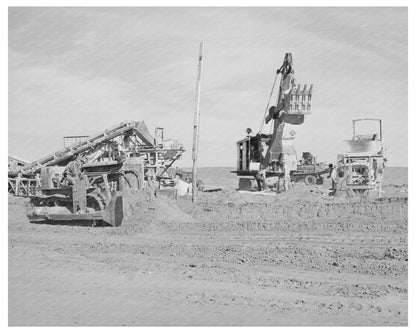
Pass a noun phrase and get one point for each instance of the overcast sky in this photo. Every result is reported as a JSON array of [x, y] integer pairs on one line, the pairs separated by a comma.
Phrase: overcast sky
[[77, 71]]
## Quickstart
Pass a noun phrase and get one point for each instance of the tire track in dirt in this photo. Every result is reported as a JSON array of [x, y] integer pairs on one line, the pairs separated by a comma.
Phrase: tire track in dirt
[[335, 258]]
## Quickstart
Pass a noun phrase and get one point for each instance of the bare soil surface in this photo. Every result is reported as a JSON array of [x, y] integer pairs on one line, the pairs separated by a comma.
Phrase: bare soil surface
[[296, 258]]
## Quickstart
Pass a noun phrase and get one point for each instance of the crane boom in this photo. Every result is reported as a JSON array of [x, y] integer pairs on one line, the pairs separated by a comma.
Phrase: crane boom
[[263, 153], [291, 106]]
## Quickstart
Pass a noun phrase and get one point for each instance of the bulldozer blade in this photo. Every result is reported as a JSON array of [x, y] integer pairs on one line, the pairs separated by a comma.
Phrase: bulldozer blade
[[112, 215], [114, 211]]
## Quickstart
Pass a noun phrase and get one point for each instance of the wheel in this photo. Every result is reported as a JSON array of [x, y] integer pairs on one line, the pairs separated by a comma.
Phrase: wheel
[[131, 180], [94, 203], [310, 180], [360, 191]]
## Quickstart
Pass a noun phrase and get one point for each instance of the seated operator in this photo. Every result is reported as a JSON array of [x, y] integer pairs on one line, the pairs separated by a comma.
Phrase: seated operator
[[72, 171]]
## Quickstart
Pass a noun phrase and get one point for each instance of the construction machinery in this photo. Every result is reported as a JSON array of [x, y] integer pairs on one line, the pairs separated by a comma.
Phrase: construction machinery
[[116, 144], [14, 163], [361, 167], [125, 156], [17, 184], [267, 152], [94, 197], [309, 170]]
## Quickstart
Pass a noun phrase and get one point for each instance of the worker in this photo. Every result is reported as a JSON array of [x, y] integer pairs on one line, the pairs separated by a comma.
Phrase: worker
[[72, 171], [38, 180], [260, 177], [179, 172], [286, 176], [262, 153], [127, 141], [333, 176], [117, 154], [374, 169]]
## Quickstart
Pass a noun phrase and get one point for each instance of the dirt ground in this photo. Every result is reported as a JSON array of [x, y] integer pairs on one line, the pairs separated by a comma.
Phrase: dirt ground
[[297, 258]]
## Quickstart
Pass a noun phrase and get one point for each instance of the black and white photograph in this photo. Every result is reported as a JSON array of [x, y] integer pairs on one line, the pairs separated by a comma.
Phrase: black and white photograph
[[207, 166]]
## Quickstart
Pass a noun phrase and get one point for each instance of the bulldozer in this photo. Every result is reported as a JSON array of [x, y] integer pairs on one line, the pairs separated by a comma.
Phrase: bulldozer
[[95, 196]]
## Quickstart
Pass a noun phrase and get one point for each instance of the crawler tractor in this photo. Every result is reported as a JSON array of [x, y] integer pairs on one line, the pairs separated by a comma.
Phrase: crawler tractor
[[94, 198]]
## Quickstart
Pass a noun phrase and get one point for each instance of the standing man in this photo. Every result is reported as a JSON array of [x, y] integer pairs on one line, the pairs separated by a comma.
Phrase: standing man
[[261, 179], [286, 176], [333, 176], [37, 178]]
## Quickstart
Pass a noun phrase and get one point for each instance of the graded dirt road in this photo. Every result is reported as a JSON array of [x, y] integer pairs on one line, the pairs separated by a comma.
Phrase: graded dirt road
[[298, 258]]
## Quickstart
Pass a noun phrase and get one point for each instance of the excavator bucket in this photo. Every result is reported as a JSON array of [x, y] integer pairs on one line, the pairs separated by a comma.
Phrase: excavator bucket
[[294, 119]]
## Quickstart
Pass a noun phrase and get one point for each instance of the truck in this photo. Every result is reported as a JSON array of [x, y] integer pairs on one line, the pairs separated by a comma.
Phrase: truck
[[309, 170]]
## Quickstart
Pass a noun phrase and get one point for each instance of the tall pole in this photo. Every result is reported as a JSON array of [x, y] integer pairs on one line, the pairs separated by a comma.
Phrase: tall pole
[[196, 126]]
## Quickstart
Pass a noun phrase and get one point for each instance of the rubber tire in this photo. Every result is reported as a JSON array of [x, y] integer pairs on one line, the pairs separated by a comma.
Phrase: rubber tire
[[310, 180]]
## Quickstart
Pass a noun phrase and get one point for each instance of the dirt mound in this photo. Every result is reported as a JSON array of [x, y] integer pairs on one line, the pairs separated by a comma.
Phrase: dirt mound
[[18, 201], [300, 252], [145, 212], [231, 211], [17, 209], [299, 193]]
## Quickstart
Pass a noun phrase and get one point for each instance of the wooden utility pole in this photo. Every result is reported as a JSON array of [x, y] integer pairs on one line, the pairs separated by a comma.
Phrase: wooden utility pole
[[196, 126]]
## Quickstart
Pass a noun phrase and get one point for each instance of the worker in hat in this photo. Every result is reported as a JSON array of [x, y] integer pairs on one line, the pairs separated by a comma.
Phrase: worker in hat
[[72, 171], [333, 176]]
